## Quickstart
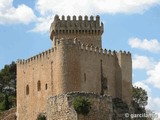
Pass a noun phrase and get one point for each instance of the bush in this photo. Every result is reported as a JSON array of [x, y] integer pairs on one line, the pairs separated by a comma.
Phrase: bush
[[1, 97], [41, 117], [82, 105]]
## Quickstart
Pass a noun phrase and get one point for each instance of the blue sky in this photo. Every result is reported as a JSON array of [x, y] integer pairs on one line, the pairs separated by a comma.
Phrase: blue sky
[[129, 25]]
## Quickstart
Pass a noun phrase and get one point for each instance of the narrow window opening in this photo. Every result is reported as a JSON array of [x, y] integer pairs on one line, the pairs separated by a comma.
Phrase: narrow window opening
[[27, 90], [98, 31], [92, 31], [46, 86], [85, 77], [38, 85]]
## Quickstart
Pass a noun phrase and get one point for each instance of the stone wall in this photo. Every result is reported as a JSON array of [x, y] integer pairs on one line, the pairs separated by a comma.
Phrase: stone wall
[[60, 107], [71, 66]]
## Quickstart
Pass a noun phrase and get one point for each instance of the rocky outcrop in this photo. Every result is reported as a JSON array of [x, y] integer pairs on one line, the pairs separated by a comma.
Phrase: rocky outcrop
[[8, 115]]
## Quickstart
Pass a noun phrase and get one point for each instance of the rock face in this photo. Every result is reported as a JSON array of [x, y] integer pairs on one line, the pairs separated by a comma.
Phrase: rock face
[[75, 63], [8, 115]]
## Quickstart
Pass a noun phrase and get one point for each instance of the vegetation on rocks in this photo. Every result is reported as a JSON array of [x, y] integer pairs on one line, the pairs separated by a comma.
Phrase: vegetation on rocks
[[82, 105], [41, 117]]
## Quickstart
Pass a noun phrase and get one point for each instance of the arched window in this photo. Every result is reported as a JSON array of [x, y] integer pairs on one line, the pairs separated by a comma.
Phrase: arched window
[[39, 85], [27, 90]]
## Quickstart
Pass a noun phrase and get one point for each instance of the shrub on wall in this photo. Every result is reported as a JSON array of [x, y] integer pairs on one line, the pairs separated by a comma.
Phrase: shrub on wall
[[82, 105], [41, 117]]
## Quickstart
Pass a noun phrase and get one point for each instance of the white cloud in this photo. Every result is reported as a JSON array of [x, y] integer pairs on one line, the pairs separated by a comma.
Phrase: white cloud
[[154, 76], [11, 15], [153, 105], [152, 45], [83, 7], [43, 24], [48, 8], [143, 62]]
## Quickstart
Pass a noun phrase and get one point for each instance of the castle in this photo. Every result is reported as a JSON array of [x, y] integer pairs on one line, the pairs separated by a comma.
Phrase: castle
[[76, 64]]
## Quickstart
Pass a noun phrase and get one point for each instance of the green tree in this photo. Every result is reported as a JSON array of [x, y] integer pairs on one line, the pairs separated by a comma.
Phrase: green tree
[[6, 104], [8, 86], [8, 76], [140, 100], [140, 96]]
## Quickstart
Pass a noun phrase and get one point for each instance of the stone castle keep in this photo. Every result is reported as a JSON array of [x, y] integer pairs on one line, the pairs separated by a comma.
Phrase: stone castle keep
[[75, 65]]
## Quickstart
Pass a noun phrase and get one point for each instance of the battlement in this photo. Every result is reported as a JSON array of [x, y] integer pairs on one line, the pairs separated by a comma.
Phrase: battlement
[[81, 46], [76, 26], [98, 50], [89, 48], [67, 41], [37, 57]]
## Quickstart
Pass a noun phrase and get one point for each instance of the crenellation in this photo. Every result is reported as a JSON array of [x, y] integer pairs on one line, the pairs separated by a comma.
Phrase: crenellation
[[63, 41], [109, 52], [37, 57], [74, 18], [91, 18], [87, 46], [80, 18], [86, 18], [63, 17], [97, 21], [100, 50], [96, 49], [82, 46], [91, 48], [114, 53], [126, 53], [56, 17], [105, 51], [80, 26], [68, 18]]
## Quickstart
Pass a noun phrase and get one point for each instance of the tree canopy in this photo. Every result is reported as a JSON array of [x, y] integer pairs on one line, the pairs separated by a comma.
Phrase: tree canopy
[[8, 87], [140, 96], [8, 77]]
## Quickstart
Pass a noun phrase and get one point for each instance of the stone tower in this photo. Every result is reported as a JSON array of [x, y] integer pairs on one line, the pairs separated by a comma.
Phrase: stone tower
[[75, 63], [87, 31]]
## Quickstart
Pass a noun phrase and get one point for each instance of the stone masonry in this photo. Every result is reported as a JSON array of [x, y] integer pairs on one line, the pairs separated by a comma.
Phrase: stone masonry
[[75, 63], [61, 107]]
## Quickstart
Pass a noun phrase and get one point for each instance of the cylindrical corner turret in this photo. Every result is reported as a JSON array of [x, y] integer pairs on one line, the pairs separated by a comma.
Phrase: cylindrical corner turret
[[88, 31], [67, 62]]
